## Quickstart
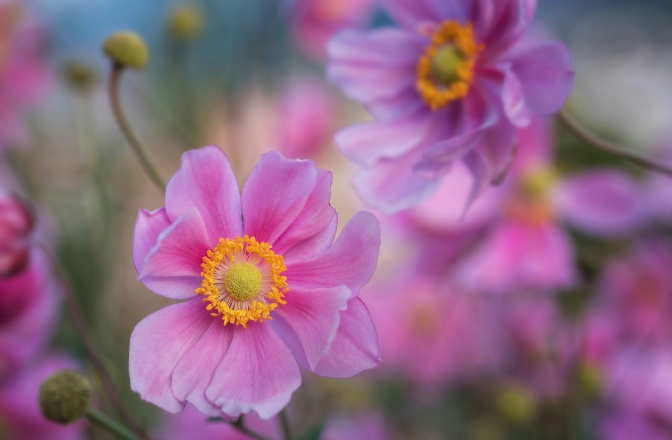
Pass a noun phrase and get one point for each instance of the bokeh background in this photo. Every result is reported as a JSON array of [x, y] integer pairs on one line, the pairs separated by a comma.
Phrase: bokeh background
[[541, 313]]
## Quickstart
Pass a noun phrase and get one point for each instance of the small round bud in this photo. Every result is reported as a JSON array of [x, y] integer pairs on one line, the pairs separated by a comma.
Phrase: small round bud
[[127, 49], [79, 75], [186, 22], [516, 404], [65, 397]]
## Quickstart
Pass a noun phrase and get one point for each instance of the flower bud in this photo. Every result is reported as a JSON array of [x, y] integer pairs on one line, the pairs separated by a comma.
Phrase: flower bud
[[515, 403], [65, 397], [79, 75], [128, 49], [16, 224], [186, 22]]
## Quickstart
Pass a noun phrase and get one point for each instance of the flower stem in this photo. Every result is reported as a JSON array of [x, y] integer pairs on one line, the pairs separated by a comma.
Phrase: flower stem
[[98, 418], [606, 146], [286, 427], [131, 137]]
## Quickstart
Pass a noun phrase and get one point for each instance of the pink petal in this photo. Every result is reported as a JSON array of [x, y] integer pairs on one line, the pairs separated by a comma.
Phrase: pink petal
[[355, 347], [275, 195], [309, 320], [258, 373], [205, 181], [499, 23], [158, 343], [195, 370], [315, 227], [412, 13], [350, 262], [602, 202], [148, 226], [173, 266], [545, 75], [513, 98]]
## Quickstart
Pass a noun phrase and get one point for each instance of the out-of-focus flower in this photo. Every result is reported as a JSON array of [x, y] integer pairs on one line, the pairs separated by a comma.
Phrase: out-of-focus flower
[[306, 112], [512, 239], [265, 287], [20, 416], [22, 70], [28, 306], [438, 337], [451, 84], [316, 21], [365, 426], [191, 423], [16, 225], [628, 426]]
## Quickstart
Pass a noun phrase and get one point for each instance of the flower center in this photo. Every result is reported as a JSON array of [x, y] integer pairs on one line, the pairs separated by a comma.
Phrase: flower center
[[532, 203], [446, 69], [242, 280]]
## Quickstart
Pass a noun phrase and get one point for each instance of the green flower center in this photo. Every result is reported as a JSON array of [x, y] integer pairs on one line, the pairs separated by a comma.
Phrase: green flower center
[[445, 64], [243, 281]]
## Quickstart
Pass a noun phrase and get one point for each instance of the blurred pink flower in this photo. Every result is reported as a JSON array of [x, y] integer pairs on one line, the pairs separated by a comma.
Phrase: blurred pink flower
[[316, 21], [242, 260], [191, 423], [438, 337], [365, 426], [16, 225], [513, 238], [307, 113], [450, 84], [629, 426], [20, 415], [23, 70], [28, 307]]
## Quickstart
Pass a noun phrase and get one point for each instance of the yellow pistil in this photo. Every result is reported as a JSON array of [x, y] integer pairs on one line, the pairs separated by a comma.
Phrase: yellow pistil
[[446, 69], [242, 280]]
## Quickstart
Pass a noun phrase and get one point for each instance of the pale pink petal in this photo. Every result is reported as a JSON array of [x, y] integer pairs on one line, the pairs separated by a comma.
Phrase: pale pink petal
[[205, 181], [173, 266], [309, 320], [158, 343], [315, 227], [275, 195], [148, 226], [602, 202], [258, 373], [350, 262], [195, 370], [513, 98], [545, 75], [355, 347], [412, 13]]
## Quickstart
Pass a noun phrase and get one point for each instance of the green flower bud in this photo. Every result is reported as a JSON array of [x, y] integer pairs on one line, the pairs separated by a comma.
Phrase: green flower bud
[[127, 49], [79, 75], [515, 403], [186, 22], [65, 397]]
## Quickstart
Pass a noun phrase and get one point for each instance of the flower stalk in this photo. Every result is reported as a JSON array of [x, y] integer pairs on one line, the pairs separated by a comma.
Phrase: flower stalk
[[109, 424]]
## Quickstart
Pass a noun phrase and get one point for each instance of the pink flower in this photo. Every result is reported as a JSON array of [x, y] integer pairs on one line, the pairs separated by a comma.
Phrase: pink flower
[[366, 426], [266, 290], [28, 304], [22, 70], [316, 21], [451, 84], [191, 423], [16, 225], [20, 415]]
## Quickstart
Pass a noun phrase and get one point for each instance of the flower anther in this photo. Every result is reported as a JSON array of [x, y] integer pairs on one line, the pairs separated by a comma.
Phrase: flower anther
[[242, 280], [446, 69]]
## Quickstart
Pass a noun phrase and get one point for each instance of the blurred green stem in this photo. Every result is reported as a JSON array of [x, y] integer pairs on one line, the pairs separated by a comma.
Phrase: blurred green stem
[[131, 137], [286, 427], [109, 424], [601, 144]]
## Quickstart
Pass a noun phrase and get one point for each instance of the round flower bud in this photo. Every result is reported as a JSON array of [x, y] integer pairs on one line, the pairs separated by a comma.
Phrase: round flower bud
[[515, 403], [79, 75], [65, 397], [127, 49], [186, 22]]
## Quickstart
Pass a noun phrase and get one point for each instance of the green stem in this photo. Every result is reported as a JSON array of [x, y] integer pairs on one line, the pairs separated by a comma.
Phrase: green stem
[[606, 146], [98, 418], [286, 427], [132, 139]]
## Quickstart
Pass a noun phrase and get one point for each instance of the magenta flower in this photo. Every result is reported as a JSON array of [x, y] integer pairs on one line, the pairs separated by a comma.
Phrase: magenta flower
[[451, 83], [20, 415], [267, 291], [28, 303], [16, 225]]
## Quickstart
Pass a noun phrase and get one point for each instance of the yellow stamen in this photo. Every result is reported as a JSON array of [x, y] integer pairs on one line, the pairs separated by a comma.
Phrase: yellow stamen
[[446, 70], [242, 280]]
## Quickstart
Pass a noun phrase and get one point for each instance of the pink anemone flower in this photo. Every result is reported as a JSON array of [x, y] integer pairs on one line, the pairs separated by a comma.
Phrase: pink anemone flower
[[452, 83], [267, 289]]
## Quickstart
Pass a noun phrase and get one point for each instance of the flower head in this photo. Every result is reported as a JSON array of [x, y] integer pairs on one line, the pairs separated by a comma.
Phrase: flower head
[[450, 84], [266, 289]]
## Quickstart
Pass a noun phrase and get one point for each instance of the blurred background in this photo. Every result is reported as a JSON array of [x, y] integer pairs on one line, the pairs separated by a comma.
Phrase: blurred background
[[542, 313]]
